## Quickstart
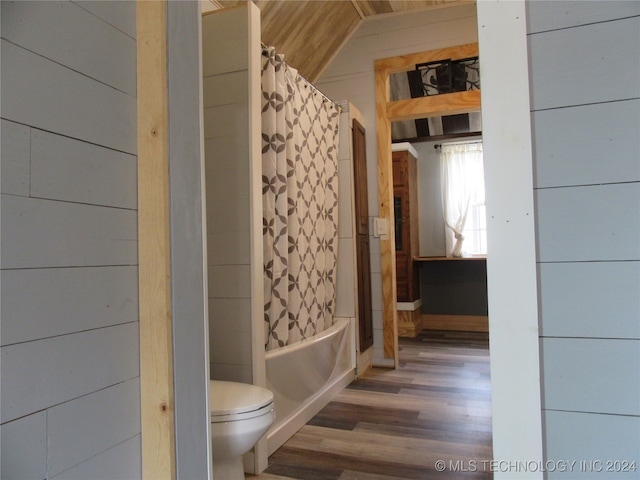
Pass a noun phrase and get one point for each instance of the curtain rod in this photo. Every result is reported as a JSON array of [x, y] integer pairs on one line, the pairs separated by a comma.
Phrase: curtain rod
[[437, 146], [265, 50]]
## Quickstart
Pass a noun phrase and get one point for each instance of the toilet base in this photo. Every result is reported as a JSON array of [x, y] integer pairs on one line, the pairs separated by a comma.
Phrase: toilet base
[[230, 468]]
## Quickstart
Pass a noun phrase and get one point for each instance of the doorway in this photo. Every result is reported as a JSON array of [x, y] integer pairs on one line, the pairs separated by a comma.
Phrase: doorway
[[388, 111]]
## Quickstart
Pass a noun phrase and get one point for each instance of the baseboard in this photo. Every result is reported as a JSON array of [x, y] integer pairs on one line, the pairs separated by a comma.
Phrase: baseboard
[[409, 323], [464, 323]]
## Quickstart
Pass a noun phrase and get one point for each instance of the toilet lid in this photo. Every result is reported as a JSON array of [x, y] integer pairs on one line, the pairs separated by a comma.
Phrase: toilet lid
[[228, 398]]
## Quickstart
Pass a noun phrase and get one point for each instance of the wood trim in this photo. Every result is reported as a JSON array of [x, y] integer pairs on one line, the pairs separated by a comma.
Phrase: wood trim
[[451, 103], [387, 242], [404, 63], [462, 323], [154, 269], [416, 109]]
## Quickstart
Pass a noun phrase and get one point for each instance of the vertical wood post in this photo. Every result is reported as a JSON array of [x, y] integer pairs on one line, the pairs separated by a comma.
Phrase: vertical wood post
[[156, 356]]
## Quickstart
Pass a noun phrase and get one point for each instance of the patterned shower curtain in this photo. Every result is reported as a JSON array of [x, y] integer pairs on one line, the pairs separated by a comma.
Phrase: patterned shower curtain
[[300, 204]]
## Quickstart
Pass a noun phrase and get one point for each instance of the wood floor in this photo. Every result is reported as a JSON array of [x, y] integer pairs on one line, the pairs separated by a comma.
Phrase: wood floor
[[428, 419]]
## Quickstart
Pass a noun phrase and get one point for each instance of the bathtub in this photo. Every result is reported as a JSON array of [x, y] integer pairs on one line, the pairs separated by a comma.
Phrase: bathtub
[[305, 376]]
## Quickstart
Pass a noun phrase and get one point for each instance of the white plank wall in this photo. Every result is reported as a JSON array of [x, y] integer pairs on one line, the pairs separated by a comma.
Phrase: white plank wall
[[586, 118], [351, 76], [227, 170], [69, 331]]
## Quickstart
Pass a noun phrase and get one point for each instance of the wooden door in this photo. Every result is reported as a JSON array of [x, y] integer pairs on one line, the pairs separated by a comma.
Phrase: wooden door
[[365, 316]]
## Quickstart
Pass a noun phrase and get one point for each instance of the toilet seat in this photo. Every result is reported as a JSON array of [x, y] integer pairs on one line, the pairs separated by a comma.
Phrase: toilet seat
[[233, 401]]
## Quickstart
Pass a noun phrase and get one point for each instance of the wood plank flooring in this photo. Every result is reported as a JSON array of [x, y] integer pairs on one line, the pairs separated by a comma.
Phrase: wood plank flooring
[[397, 424]]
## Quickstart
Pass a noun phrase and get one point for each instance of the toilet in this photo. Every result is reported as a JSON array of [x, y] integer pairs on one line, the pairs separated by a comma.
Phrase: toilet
[[240, 415]]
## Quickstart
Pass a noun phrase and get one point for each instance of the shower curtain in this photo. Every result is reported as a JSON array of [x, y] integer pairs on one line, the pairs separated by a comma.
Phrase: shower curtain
[[300, 204]]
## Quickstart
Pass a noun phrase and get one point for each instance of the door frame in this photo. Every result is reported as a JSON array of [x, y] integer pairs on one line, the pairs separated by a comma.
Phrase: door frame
[[390, 111]]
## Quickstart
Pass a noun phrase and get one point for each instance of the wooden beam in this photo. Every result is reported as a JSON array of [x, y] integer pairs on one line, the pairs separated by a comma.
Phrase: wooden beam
[[387, 242], [154, 265], [404, 63], [434, 106]]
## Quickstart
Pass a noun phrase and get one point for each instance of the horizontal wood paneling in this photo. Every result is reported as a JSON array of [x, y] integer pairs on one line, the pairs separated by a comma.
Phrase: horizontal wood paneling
[[584, 69], [121, 15], [101, 176], [222, 120], [230, 281], [588, 223], [32, 25], [115, 411], [402, 34], [27, 434], [229, 346], [235, 86], [345, 279], [592, 438], [62, 368], [597, 144], [41, 89], [575, 67], [40, 233], [228, 87], [14, 169], [69, 199], [591, 375], [590, 299], [71, 299], [232, 55], [542, 16], [121, 461]]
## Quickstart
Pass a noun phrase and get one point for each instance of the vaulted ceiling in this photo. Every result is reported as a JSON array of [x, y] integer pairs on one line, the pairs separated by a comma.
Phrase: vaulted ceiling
[[311, 33]]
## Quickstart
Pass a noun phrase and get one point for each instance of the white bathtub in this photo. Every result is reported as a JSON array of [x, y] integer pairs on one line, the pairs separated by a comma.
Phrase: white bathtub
[[305, 376]]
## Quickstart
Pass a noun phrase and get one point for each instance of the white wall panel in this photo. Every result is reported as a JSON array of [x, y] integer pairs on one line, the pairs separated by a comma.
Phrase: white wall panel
[[230, 281], [234, 31], [228, 248], [592, 440], [101, 176], [14, 168], [345, 202], [588, 223], [590, 299], [345, 278], [225, 88], [41, 233], [575, 67], [114, 412], [591, 375], [223, 120], [32, 25], [62, 368], [52, 97], [121, 461], [24, 448], [71, 300], [597, 144], [545, 15], [121, 15]]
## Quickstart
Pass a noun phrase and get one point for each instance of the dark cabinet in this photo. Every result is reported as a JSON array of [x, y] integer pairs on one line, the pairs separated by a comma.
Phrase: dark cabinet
[[405, 197]]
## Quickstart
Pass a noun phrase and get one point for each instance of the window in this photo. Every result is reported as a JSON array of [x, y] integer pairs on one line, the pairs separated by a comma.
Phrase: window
[[462, 177]]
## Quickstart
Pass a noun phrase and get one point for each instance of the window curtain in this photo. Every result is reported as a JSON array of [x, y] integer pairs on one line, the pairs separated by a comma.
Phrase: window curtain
[[462, 181], [300, 204]]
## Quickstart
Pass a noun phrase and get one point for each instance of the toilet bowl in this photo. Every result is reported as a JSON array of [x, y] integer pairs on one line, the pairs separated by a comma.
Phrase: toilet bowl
[[240, 415]]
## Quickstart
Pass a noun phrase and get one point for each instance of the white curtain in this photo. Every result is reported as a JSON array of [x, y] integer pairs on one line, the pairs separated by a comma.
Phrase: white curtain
[[462, 180], [300, 204]]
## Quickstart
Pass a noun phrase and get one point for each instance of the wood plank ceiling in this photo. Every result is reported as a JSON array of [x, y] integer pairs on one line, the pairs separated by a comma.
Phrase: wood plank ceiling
[[311, 33]]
